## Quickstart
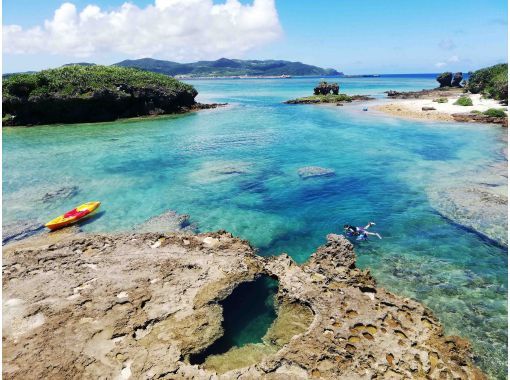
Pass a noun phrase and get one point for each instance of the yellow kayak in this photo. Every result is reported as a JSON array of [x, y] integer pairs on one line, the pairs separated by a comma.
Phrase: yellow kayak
[[73, 216]]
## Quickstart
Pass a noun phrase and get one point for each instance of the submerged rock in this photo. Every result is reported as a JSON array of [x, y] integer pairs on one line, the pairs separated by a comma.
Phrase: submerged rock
[[96, 305], [217, 171], [64, 192], [169, 221], [314, 171], [20, 230], [478, 208]]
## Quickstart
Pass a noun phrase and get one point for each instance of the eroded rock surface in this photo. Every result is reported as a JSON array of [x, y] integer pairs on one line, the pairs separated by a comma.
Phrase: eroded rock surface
[[136, 305]]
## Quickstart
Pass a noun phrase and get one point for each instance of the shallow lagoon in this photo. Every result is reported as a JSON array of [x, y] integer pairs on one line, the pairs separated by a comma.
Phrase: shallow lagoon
[[235, 168]]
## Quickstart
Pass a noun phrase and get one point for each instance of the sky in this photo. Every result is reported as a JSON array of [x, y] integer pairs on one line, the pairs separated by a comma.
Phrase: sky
[[356, 36]]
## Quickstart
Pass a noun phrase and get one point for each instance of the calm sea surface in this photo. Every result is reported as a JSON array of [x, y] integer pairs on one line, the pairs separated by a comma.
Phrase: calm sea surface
[[235, 168]]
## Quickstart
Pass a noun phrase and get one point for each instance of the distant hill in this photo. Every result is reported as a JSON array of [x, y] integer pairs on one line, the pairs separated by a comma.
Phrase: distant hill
[[227, 67]]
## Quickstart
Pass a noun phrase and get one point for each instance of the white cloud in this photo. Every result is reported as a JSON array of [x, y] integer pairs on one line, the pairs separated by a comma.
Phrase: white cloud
[[452, 59], [173, 29]]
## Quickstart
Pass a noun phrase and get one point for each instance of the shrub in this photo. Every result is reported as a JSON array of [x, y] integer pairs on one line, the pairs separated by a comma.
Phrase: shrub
[[477, 112], [79, 80], [491, 82], [494, 112], [464, 101], [441, 100]]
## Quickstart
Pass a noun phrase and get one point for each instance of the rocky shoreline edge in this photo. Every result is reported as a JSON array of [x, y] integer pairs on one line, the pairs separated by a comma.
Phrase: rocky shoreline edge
[[139, 304]]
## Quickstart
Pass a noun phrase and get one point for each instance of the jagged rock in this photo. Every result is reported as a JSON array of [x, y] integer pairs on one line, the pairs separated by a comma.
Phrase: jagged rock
[[445, 79], [314, 171], [425, 94], [109, 306], [324, 88], [169, 221], [428, 109], [457, 79]]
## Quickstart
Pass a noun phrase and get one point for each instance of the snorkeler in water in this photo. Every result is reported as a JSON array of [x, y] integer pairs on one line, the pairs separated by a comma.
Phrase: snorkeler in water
[[360, 233]]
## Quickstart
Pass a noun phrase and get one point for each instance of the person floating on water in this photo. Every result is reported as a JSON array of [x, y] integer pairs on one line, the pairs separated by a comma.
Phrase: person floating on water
[[360, 233]]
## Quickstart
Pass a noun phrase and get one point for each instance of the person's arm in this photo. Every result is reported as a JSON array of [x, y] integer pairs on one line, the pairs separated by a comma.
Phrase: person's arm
[[370, 224]]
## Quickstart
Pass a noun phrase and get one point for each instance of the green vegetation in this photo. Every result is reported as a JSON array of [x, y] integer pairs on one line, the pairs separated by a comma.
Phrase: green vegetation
[[329, 98], [227, 67], [491, 82], [441, 100], [77, 93], [83, 81], [464, 101], [477, 112], [495, 112]]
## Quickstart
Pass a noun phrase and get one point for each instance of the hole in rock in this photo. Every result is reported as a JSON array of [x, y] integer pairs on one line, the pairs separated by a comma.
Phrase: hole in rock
[[247, 314], [252, 328]]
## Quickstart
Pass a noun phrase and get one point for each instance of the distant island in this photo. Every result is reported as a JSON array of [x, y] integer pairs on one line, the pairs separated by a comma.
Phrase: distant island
[[326, 92], [224, 67], [92, 93]]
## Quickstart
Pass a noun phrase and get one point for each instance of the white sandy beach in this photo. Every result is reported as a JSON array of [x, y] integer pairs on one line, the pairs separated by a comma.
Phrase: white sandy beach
[[412, 108]]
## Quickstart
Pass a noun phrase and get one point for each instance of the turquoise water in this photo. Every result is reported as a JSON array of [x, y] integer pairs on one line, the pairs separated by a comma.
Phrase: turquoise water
[[235, 168], [247, 314]]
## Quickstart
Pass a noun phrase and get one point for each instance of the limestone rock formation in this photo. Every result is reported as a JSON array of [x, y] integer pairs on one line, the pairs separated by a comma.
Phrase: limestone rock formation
[[445, 79], [137, 305], [325, 88], [457, 79]]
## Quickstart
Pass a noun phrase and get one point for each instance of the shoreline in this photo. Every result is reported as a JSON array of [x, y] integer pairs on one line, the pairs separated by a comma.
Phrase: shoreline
[[443, 112], [174, 312], [198, 108]]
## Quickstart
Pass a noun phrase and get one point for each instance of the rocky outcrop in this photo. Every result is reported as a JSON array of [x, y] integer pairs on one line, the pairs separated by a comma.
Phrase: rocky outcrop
[[81, 94], [445, 79], [424, 94], [457, 79], [325, 88], [467, 117], [448, 79], [137, 305]]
